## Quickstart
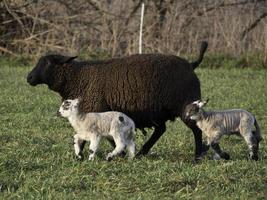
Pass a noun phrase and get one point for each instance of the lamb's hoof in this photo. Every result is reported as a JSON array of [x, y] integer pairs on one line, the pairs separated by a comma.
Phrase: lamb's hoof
[[91, 158], [216, 157], [79, 157], [225, 156], [109, 157], [131, 157], [205, 148]]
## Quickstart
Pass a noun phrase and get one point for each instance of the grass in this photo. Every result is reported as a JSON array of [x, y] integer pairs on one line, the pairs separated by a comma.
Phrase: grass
[[214, 61], [37, 162]]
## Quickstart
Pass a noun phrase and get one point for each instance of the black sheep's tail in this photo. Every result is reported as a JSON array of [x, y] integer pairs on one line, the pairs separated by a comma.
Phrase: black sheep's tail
[[203, 48]]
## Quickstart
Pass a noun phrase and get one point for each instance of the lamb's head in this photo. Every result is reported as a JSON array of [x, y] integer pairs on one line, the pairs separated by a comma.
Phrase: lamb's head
[[194, 110], [43, 71], [68, 108]]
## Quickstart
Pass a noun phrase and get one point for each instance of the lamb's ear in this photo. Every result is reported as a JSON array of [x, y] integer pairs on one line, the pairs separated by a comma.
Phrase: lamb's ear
[[196, 102], [203, 103], [76, 101]]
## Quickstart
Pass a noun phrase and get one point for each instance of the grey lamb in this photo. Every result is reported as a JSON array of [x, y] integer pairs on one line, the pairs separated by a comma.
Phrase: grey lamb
[[92, 126], [215, 124]]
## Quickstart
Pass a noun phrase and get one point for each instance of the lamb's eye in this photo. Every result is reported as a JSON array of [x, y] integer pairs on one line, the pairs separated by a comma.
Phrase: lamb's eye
[[66, 106], [194, 110]]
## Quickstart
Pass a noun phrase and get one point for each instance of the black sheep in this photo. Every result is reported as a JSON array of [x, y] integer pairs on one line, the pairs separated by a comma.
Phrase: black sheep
[[149, 88]]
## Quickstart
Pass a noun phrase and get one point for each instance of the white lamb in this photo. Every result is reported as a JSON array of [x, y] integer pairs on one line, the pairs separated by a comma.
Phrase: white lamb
[[215, 124], [92, 126]]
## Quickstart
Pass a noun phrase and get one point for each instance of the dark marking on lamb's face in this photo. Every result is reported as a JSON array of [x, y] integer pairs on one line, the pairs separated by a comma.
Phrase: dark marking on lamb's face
[[66, 105], [121, 118], [42, 72], [191, 109]]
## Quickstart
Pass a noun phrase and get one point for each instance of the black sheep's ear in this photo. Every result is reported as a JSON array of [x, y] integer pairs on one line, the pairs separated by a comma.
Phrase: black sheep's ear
[[68, 59], [65, 59]]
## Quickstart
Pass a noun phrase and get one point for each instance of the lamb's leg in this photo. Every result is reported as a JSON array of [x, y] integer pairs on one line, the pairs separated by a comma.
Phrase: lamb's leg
[[82, 144], [94, 142], [253, 145], [131, 149], [159, 130], [111, 141], [77, 146], [120, 146], [216, 147]]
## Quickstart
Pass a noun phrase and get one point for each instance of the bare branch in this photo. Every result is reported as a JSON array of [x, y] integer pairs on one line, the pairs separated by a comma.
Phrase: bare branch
[[8, 51], [253, 25], [14, 16], [133, 12], [200, 13]]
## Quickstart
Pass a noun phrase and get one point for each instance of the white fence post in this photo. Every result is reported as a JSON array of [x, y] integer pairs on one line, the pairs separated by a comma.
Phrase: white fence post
[[141, 28]]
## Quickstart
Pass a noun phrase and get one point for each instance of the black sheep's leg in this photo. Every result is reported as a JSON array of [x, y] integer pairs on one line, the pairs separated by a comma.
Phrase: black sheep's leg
[[200, 147], [159, 130], [198, 142]]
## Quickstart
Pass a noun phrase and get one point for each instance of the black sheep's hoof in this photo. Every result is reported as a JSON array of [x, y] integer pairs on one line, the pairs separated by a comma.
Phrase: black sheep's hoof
[[205, 148], [141, 153], [225, 156], [139, 156], [198, 159], [254, 157]]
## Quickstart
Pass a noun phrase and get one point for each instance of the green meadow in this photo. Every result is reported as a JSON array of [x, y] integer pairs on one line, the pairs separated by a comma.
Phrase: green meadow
[[37, 158]]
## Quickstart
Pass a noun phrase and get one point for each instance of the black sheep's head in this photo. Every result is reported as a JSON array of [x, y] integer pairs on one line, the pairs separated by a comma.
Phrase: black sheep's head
[[42, 72]]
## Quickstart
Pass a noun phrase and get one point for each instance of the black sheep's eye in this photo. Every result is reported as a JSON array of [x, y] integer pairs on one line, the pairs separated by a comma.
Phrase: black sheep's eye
[[46, 62]]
